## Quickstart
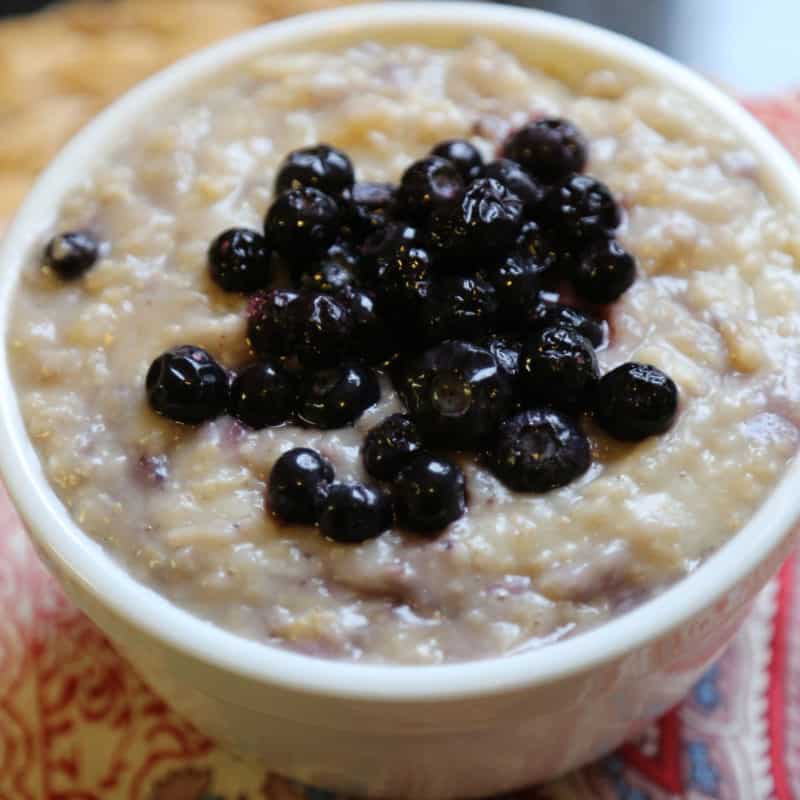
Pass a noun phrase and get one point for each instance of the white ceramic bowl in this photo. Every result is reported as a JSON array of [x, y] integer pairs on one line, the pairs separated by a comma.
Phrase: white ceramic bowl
[[465, 729]]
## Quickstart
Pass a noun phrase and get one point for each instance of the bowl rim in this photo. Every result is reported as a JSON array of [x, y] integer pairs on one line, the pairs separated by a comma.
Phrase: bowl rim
[[84, 562]]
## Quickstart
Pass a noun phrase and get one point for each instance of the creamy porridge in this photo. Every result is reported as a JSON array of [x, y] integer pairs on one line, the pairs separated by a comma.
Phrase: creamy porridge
[[716, 306]]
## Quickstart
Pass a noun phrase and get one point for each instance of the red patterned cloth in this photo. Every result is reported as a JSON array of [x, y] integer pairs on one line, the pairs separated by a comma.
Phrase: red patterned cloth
[[76, 723]]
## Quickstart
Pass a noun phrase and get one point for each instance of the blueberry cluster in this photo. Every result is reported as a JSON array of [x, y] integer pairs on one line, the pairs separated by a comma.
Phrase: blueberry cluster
[[450, 283]]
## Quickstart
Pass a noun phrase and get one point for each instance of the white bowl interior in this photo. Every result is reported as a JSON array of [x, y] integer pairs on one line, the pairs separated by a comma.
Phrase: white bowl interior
[[564, 46]]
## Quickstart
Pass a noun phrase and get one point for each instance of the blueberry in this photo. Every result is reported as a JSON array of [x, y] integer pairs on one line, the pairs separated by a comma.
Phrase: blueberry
[[271, 322], [323, 326], [516, 283], [402, 266], [507, 352], [428, 183], [389, 446], [514, 177], [605, 271], [383, 241], [581, 208], [482, 227], [335, 397], [322, 167], [405, 308], [559, 367], [298, 485], [337, 268], [302, 224], [548, 149], [429, 494], [463, 307], [539, 450], [463, 155], [371, 207], [370, 340], [455, 392], [547, 315], [353, 513], [635, 401], [536, 247], [239, 260], [263, 394], [186, 385], [71, 254]]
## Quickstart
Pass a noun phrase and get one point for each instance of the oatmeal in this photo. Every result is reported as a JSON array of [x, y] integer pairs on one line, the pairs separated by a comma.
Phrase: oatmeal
[[716, 306]]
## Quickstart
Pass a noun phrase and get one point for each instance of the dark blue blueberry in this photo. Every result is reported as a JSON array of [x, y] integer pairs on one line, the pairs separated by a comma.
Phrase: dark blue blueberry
[[389, 446], [427, 184], [455, 393], [507, 351], [514, 177], [481, 228], [353, 513], [323, 167], [335, 397], [635, 401], [71, 254], [263, 394], [186, 385], [371, 339], [548, 315], [581, 208], [239, 260], [429, 494], [298, 485], [323, 327], [549, 149], [271, 323], [302, 224], [462, 307], [539, 450], [516, 283], [336, 269], [371, 206], [463, 155], [537, 248], [604, 272], [559, 367]]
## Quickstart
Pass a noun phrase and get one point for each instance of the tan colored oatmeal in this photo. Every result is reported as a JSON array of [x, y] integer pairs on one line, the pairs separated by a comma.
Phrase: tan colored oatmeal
[[717, 306]]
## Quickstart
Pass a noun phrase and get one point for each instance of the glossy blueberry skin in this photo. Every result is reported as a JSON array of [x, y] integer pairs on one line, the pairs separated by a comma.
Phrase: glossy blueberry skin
[[336, 397], [535, 246], [559, 367], [302, 224], [263, 394], [605, 271], [271, 323], [427, 184], [323, 327], [72, 253], [479, 230], [463, 155], [429, 494], [336, 269], [322, 167], [516, 284], [455, 393], [581, 208], [298, 485], [463, 307], [238, 261], [512, 175], [548, 149], [389, 446], [187, 385], [354, 512], [635, 401], [548, 315], [539, 450], [370, 208], [371, 339], [507, 351]]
